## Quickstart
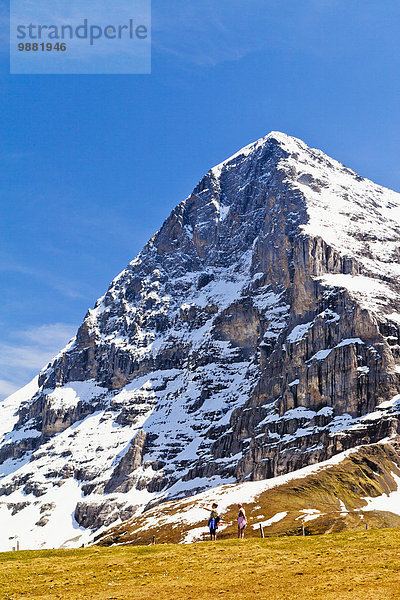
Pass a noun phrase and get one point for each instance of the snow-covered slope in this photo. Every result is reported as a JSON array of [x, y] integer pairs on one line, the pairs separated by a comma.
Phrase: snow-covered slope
[[257, 332], [10, 406]]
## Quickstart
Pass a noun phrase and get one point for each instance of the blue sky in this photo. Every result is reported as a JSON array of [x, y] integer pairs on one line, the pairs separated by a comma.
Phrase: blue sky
[[92, 165]]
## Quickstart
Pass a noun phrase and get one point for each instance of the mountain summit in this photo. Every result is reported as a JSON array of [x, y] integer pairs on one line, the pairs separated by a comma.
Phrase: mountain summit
[[256, 333]]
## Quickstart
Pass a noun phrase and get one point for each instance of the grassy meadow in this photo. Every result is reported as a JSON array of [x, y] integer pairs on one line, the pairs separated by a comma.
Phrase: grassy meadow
[[343, 566]]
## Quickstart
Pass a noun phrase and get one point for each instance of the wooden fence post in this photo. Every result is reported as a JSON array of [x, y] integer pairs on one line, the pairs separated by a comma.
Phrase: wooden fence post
[[261, 530]]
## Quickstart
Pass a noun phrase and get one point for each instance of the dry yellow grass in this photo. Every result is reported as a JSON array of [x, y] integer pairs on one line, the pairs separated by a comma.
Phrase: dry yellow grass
[[349, 565]]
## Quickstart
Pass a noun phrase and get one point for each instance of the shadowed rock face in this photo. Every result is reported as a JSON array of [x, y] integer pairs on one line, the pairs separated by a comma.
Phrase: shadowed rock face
[[257, 332]]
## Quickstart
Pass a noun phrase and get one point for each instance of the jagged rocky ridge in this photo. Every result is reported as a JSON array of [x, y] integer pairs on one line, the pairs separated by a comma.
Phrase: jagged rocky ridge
[[257, 332]]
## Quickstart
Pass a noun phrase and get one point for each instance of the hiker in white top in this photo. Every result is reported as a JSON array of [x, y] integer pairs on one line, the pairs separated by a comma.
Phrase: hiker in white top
[[242, 522]]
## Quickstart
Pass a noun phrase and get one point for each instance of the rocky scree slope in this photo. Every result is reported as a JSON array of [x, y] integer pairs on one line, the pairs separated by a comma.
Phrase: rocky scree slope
[[257, 332]]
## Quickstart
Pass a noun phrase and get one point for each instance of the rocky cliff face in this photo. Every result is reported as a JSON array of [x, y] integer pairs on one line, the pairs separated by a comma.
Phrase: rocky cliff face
[[257, 332]]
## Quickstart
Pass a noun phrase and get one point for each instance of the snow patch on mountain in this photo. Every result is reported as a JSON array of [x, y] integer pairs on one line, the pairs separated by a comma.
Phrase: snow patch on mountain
[[9, 407], [76, 391], [387, 502], [372, 293], [275, 519], [48, 525]]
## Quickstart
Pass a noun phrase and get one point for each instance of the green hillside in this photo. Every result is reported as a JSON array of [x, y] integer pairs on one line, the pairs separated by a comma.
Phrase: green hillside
[[335, 494]]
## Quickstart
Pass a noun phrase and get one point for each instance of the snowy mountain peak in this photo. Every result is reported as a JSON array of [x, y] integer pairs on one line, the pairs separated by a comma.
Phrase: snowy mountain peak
[[277, 142], [257, 332], [343, 208]]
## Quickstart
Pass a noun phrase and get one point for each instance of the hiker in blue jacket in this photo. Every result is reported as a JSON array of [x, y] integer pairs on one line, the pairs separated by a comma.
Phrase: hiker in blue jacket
[[213, 522]]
